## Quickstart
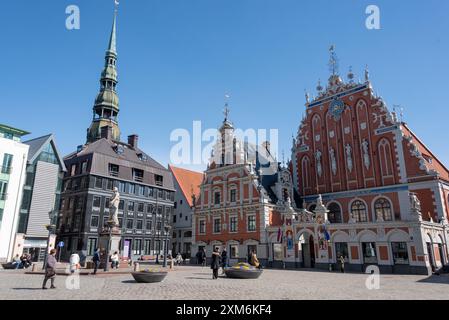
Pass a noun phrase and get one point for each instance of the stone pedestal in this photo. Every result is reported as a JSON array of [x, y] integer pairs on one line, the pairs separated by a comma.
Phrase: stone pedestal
[[114, 245]]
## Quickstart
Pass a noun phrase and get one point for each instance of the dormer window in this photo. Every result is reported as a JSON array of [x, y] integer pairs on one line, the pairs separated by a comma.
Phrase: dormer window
[[159, 180], [138, 175], [113, 170]]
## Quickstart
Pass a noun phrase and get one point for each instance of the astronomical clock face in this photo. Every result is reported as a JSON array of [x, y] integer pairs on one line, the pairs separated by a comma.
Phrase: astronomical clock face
[[336, 108]]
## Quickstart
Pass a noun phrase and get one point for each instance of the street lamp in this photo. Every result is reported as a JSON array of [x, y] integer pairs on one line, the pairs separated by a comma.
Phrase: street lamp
[[167, 231], [51, 227]]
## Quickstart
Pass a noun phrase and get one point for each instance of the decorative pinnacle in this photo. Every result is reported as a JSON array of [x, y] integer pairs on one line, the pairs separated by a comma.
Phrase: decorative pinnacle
[[366, 73], [350, 75], [319, 87], [226, 110]]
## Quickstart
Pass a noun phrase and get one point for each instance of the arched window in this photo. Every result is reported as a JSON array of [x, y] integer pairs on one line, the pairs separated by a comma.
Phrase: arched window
[[305, 164], [358, 211], [382, 207], [334, 215]]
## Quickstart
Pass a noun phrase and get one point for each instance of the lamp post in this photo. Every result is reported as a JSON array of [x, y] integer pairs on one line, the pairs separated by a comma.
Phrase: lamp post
[[167, 231], [51, 229]]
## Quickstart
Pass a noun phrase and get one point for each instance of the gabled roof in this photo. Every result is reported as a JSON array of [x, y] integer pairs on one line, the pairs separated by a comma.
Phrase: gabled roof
[[37, 145], [189, 182]]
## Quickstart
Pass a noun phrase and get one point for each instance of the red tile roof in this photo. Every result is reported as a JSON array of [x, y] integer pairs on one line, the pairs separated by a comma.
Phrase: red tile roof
[[189, 181]]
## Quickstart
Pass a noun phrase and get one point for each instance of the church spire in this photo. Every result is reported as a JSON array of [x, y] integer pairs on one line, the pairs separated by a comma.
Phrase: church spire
[[106, 107]]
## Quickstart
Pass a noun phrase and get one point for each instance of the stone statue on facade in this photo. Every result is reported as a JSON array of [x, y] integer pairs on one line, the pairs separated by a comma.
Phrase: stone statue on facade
[[366, 159], [348, 150], [113, 207]]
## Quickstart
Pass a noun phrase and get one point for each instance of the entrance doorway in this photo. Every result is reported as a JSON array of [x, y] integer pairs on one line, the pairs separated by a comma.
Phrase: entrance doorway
[[307, 250], [431, 255]]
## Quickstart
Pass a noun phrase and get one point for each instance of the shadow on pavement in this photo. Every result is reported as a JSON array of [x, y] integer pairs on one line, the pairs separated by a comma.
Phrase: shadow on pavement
[[443, 279], [40, 289], [129, 281]]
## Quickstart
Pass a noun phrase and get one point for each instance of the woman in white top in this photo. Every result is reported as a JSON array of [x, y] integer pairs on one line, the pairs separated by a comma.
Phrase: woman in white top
[[114, 260]]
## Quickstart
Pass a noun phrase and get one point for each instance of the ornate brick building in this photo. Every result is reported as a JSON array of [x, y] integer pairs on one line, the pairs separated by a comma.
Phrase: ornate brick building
[[378, 194], [242, 193]]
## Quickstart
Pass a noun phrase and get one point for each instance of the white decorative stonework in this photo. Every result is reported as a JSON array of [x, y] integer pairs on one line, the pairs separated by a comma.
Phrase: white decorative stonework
[[366, 158], [333, 161], [348, 151], [363, 125], [317, 138], [331, 134], [347, 130], [319, 168]]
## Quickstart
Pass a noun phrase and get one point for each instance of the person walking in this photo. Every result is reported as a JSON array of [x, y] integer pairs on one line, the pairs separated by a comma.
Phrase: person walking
[[96, 260], [224, 260], [50, 270], [74, 262], [215, 264], [342, 263], [203, 257]]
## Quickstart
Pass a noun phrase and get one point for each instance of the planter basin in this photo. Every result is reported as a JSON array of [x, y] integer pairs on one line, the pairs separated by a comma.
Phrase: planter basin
[[149, 277], [243, 274]]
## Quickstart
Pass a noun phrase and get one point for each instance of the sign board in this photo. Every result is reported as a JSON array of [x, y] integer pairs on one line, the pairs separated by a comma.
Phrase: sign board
[[61, 244]]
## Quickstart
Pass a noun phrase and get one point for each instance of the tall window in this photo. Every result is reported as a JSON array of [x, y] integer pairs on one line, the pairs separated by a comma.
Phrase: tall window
[[7, 163], [233, 195], [137, 246], [147, 247], [122, 187], [139, 224], [3, 190], [129, 223], [121, 205], [369, 252], [233, 224], [94, 221], [234, 251], [159, 180], [150, 208], [110, 184], [130, 206], [202, 227], [149, 225], [400, 254], [96, 202], [216, 197], [341, 249], [334, 214], [91, 246], [358, 211], [141, 190], [131, 188], [113, 170], [140, 207], [138, 175], [98, 182], [252, 223], [83, 167], [217, 225], [382, 208]]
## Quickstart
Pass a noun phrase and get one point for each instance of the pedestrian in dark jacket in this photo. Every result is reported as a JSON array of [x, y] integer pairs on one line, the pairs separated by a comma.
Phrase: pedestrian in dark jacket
[[224, 260], [50, 270], [96, 260], [215, 264]]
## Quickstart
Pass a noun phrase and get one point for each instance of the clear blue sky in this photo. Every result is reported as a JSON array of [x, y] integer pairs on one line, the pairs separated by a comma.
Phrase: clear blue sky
[[177, 59]]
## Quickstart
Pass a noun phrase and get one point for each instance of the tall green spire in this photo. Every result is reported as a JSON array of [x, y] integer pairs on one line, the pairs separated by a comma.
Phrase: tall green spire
[[106, 107]]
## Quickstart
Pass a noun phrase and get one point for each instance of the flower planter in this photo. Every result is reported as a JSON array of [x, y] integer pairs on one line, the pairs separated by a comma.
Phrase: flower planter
[[148, 276], [243, 271]]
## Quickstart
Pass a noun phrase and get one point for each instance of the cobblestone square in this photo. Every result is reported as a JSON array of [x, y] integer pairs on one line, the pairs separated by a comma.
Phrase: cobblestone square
[[196, 283]]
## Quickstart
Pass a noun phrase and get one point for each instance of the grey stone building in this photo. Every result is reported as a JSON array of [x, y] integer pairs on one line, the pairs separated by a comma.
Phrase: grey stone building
[[104, 162]]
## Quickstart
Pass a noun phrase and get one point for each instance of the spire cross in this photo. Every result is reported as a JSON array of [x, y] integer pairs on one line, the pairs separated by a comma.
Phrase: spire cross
[[226, 110]]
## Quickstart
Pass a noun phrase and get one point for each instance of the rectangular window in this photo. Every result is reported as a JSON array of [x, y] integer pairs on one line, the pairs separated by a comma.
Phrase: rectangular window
[[96, 203], [233, 224], [369, 252], [341, 249], [91, 246], [73, 170], [7, 163], [130, 206], [234, 251], [107, 203], [251, 223], [147, 247], [233, 195], [217, 225], [217, 198], [150, 208], [138, 175], [139, 225], [159, 210], [94, 221], [121, 205], [120, 222], [129, 223], [140, 207], [3, 190], [400, 253], [131, 188], [113, 170], [174, 218], [159, 225], [151, 192], [159, 180], [160, 193], [83, 167], [98, 183], [122, 187], [137, 246], [105, 221], [202, 227], [110, 184], [141, 190], [149, 225]]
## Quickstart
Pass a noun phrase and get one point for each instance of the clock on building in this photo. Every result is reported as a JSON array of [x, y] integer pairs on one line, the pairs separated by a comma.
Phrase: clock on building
[[336, 108]]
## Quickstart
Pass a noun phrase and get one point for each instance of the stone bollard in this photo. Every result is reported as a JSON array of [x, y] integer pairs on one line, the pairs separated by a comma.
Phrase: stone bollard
[[136, 267], [172, 264], [33, 268]]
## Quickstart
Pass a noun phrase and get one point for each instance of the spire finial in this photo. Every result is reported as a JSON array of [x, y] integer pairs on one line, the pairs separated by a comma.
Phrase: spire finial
[[333, 61], [112, 48], [351, 75], [226, 110], [366, 73]]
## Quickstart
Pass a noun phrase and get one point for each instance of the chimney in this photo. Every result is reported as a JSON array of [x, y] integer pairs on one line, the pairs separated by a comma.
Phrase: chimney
[[132, 140], [106, 132]]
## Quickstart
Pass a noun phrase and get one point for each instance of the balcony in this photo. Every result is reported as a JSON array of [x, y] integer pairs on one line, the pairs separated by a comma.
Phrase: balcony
[[5, 170], [113, 173]]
